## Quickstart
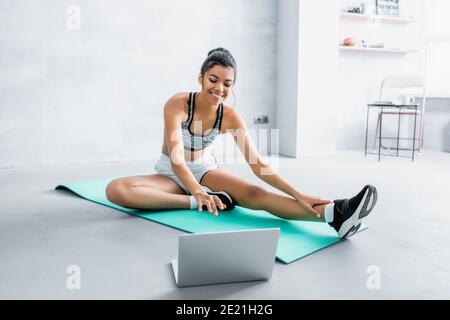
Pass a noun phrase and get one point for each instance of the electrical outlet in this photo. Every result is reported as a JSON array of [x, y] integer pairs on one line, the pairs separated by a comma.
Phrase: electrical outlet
[[261, 119]]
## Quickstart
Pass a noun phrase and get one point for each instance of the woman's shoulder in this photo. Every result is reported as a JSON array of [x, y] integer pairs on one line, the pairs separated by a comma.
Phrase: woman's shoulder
[[230, 115], [178, 101], [230, 112], [181, 96]]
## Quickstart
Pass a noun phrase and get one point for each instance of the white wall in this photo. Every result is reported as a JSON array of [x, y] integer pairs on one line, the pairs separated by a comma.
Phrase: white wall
[[288, 76], [318, 25], [307, 63], [96, 93], [437, 125], [437, 36]]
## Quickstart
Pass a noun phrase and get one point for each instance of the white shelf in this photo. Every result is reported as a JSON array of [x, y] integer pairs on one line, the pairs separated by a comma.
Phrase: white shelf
[[385, 50], [365, 17], [437, 96]]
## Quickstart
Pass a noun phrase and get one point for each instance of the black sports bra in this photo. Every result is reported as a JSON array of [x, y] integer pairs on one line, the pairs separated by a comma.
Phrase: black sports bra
[[193, 142]]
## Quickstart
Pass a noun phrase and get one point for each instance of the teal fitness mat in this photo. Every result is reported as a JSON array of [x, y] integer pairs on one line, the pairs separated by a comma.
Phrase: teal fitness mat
[[297, 238]]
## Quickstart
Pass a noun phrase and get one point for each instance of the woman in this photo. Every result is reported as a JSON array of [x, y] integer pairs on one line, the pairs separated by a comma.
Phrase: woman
[[187, 174]]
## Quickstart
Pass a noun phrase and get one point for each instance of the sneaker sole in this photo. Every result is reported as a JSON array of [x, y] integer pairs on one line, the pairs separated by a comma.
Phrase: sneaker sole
[[352, 224], [352, 231]]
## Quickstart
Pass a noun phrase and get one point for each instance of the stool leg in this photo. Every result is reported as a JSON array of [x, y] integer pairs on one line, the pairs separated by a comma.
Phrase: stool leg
[[398, 131], [414, 136], [367, 130], [379, 145], [376, 131], [421, 133]]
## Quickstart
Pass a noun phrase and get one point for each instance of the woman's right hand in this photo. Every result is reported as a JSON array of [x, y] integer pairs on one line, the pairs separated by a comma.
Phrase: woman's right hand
[[211, 202]]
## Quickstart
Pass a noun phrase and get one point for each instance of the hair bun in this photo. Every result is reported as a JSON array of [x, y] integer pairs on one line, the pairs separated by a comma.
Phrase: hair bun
[[219, 56], [220, 49]]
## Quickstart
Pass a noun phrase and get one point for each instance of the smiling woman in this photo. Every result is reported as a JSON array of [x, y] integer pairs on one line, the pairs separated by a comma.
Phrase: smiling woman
[[188, 176]]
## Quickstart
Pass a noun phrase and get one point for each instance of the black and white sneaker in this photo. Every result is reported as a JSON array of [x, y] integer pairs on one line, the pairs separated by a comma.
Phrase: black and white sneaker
[[348, 213], [226, 199]]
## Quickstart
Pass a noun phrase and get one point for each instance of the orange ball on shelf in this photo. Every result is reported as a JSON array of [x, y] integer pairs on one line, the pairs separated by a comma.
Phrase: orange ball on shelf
[[349, 42]]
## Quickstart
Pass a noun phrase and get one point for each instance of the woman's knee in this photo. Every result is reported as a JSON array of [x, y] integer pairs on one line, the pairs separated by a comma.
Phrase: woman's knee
[[116, 192], [255, 195]]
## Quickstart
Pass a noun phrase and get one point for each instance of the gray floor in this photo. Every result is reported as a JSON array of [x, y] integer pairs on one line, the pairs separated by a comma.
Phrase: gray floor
[[43, 231]]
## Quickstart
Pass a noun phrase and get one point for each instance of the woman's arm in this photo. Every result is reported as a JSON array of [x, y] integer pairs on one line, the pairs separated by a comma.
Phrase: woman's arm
[[174, 141], [173, 136], [263, 170], [260, 168]]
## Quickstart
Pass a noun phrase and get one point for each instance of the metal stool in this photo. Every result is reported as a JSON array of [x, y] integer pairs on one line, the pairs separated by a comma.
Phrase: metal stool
[[378, 133], [399, 82]]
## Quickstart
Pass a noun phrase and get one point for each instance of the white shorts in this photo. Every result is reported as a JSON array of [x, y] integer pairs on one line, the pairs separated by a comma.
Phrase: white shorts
[[199, 167]]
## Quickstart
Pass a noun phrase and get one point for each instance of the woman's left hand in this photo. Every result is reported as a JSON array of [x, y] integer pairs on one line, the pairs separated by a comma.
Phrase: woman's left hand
[[312, 200]]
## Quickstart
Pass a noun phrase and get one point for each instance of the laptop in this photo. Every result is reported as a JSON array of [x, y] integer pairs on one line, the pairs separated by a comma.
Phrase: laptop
[[223, 257]]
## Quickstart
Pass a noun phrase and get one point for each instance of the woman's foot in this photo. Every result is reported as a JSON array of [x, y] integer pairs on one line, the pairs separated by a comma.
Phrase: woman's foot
[[348, 213], [226, 199]]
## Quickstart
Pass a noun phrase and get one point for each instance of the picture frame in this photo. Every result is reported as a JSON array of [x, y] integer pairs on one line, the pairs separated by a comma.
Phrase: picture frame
[[387, 7]]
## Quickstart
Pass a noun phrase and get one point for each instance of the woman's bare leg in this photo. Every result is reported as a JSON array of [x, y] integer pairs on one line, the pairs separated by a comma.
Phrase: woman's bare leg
[[147, 192], [251, 196], [288, 208]]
